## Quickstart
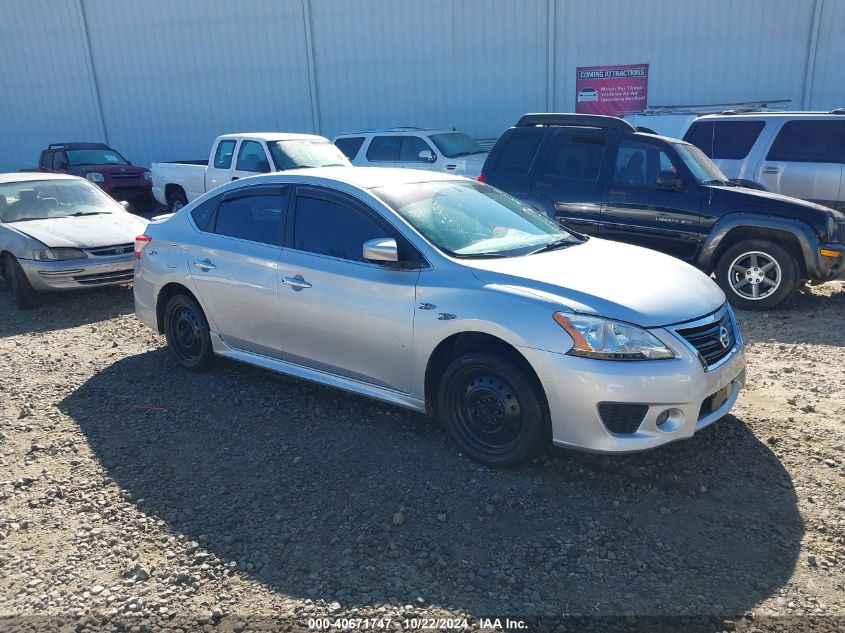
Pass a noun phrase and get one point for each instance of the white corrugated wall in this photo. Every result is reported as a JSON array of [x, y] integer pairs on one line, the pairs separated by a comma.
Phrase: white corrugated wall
[[171, 75]]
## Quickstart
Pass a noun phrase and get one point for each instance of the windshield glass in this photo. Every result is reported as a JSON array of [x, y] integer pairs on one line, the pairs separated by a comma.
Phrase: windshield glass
[[42, 199], [95, 157], [304, 153], [454, 144], [467, 219], [704, 169]]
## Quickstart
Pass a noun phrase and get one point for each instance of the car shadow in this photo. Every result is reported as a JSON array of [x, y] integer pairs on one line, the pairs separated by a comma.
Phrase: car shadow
[[807, 317], [327, 496], [62, 310]]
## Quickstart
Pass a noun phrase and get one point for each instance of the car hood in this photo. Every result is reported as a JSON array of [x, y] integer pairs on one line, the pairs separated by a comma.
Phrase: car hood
[[610, 279], [87, 231], [469, 166], [767, 199]]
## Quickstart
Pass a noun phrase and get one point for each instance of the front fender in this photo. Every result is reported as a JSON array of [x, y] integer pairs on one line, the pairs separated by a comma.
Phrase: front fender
[[803, 233]]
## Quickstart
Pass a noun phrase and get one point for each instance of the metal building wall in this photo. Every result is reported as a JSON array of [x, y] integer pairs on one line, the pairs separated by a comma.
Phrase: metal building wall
[[48, 95], [171, 75]]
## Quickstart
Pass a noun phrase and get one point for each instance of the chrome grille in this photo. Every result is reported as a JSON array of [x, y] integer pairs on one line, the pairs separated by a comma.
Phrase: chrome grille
[[713, 339], [117, 249]]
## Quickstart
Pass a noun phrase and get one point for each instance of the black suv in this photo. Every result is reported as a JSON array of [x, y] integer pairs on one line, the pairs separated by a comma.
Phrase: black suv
[[601, 176]]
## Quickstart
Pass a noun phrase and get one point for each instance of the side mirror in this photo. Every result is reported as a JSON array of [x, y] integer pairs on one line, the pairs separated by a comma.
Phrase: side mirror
[[124, 204], [381, 249], [668, 180], [428, 156]]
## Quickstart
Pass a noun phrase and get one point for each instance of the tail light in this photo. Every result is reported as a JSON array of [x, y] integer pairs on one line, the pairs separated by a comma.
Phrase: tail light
[[481, 178], [141, 242]]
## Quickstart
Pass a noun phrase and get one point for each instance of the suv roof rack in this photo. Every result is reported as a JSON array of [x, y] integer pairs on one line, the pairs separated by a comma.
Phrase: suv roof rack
[[79, 145], [398, 128], [575, 120]]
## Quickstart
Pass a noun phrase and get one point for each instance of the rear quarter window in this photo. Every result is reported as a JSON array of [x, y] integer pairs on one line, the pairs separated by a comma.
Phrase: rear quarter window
[[350, 145], [518, 152], [809, 141], [724, 139]]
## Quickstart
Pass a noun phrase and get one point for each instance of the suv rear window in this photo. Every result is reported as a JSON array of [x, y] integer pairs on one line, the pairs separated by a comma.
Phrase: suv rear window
[[518, 152], [350, 145], [724, 139], [810, 142], [575, 157]]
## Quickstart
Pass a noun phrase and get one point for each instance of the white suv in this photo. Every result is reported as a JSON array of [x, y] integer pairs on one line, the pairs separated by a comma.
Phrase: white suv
[[416, 148], [800, 154]]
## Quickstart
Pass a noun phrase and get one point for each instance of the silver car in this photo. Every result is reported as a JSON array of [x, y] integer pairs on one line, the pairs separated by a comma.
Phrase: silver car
[[61, 232], [444, 295]]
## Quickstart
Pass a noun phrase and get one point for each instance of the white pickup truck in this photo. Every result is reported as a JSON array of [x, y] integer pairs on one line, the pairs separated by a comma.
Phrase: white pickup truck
[[236, 156]]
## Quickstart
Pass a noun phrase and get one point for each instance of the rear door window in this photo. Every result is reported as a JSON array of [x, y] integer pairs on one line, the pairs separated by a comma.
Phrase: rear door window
[[224, 153], [256, 215], [518, 152], [809, 142], [574, 157], [384, 149], [350, 145], [724, 139]]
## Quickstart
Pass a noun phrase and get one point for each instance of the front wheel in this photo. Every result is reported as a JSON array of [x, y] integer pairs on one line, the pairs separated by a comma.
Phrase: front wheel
[[187, 333], [491, 409], [757, 274], [17, 283]]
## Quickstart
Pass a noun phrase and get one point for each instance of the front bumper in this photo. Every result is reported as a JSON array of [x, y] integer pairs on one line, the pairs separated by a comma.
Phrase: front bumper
[[574, 388], [79, 273], [831, 262], [123, 190]]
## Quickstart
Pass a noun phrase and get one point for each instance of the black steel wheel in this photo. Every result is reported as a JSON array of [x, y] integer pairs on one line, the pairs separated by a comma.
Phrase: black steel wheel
[[187, 333], [492, 409]]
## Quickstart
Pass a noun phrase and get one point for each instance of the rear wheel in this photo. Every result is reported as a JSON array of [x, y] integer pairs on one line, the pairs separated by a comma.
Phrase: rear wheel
[[491, 409], [176, 201], [17, 284], [187, 332], [757, 274]]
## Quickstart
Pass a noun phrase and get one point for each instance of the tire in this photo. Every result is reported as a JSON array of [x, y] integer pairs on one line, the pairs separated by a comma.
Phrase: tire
[[176, 201], [492, 410], [757, 267], [187, 333], [18, 285]]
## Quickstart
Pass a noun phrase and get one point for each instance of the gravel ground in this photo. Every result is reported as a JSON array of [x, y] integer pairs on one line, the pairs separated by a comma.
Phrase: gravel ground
[[140, 495]]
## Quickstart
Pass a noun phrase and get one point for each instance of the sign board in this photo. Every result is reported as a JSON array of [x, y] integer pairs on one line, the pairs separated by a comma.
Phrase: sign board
[[611, 90]]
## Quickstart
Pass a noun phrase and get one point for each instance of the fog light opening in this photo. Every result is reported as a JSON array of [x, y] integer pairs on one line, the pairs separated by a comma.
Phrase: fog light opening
[[670, 420]]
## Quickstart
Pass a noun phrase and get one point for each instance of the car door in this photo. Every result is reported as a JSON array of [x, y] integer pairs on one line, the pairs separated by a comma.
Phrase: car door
[[639, 211], [234, 265], [252, 160], [567, 179], [219, 171], [339, 312], [806, 161]]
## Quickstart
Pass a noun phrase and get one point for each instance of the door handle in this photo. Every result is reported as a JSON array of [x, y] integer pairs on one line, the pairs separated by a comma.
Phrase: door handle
[[297, 282], [235, 178], [204, 265], [771, 170]]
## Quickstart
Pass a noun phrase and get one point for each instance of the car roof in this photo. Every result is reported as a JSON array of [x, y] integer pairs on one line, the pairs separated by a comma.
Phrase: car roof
[[27, 176], [361, 177], [75, 145], [828, 115], [399, 130], [274, 136]]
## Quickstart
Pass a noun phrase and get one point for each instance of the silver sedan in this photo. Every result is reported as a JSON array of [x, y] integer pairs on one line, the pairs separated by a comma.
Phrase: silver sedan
[[444, 295], [61, 233]]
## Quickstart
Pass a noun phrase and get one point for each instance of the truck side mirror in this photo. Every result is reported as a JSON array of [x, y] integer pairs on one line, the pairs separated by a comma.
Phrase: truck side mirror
[[427, 155], [668, 180]]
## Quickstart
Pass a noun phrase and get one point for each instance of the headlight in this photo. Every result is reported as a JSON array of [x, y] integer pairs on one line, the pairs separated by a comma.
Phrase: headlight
[[148, 176], [59, 254], [596, 337], [95, 176]]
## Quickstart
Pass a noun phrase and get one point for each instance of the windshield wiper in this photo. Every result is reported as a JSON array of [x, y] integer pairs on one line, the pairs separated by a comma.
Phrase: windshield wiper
[[459, 154], [79, 213], [480, 255], [554, 245], [717, 182]]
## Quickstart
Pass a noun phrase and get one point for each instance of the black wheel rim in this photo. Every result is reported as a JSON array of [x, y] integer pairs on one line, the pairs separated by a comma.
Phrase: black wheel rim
[[487, 413], [186, 334]]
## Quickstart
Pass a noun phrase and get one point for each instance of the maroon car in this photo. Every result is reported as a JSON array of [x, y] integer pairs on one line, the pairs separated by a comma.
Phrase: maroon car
[[102, 165]]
